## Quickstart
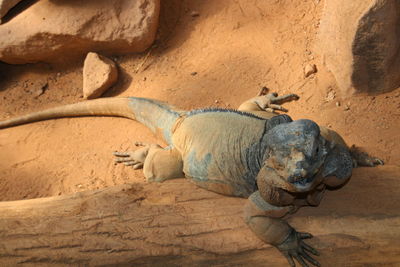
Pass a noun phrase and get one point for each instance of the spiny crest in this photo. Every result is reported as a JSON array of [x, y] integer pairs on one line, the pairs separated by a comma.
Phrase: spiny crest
[[207, 110]]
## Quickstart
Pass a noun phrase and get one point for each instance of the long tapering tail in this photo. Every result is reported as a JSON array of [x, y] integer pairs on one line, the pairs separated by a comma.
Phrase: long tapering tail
[[156, 115]]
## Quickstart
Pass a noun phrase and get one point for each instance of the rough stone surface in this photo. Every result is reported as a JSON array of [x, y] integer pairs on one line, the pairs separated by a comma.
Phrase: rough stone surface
[[178, 224], [54, 31], [360, 44], [99, 74], [6, 5]]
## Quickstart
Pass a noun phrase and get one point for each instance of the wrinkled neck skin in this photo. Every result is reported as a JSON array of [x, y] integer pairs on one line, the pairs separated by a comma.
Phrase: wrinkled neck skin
[[255, 154], [297, 159]]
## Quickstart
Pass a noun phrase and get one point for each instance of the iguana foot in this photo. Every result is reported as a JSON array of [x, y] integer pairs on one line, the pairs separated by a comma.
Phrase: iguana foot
[[271, 101], [133, 158], [361, 158], [295, 248]]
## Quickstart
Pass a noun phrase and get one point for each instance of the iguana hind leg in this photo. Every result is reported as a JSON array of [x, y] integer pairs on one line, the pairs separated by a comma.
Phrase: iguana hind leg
[[158, 164], [135, 158], [267, 103]]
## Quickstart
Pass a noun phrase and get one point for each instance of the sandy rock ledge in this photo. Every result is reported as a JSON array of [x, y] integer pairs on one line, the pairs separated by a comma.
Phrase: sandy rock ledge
[[176, 223]]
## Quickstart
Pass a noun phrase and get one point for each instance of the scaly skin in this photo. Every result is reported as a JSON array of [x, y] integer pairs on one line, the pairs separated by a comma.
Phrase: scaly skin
[[278, 164]]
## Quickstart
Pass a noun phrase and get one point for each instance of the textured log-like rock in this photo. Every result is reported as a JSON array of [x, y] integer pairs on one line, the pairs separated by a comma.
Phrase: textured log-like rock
[[360, 43], [177, 223], [53, 31]]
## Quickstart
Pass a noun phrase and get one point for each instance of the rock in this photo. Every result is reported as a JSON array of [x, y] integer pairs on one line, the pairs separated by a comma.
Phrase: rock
[[99, 74], [63, 30], [330, 95], [175, 223], [6, 5], [41, 90], [360, 44], [310, 69], [194, 14]]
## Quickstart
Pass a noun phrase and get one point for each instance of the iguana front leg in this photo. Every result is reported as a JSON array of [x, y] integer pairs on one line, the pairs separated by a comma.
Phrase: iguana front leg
[[265, 220], [159, 164], [361, 158]]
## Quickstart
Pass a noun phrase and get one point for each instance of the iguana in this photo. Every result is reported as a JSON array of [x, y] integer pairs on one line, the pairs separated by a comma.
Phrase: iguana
[[277, 163]]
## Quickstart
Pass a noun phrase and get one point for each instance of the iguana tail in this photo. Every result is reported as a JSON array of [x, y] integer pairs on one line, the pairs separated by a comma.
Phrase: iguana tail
[[158, 116]]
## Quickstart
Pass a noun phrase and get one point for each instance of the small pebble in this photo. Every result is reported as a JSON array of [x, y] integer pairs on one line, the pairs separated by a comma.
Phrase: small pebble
[[193, 73], [41, 90], [38, 92], [310, 69], [194, 14], [216, 101], [338, 104]]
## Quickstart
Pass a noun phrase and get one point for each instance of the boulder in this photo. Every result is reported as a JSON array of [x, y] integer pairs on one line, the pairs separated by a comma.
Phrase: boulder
[[6, 5], [64, 30], [99, 74], [360, 44]]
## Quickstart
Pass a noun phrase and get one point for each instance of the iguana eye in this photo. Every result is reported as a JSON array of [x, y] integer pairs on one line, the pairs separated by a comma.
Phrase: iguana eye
[[316, 149]]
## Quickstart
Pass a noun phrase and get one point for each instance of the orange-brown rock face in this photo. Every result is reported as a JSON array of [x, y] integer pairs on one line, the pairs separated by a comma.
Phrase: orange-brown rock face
[[360, 44], [54, 31]]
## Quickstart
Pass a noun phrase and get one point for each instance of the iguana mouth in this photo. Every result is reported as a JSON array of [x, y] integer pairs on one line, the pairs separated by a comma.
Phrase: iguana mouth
[[299, 180], [302, 181]]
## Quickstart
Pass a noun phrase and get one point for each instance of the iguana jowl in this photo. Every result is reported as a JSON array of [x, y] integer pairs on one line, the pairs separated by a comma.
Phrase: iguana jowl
[[278, 164]]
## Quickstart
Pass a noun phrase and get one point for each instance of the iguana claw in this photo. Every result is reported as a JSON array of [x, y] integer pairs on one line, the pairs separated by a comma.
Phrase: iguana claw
[[295, 248]]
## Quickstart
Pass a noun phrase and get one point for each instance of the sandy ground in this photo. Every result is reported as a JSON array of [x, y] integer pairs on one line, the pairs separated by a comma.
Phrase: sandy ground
[[219, 58]]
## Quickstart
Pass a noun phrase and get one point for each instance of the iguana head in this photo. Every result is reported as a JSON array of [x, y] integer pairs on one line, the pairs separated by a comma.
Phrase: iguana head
[[296, 152]]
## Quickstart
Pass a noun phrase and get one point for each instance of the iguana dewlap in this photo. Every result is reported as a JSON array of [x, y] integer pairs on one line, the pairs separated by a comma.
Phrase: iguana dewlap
[[277, 163]]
